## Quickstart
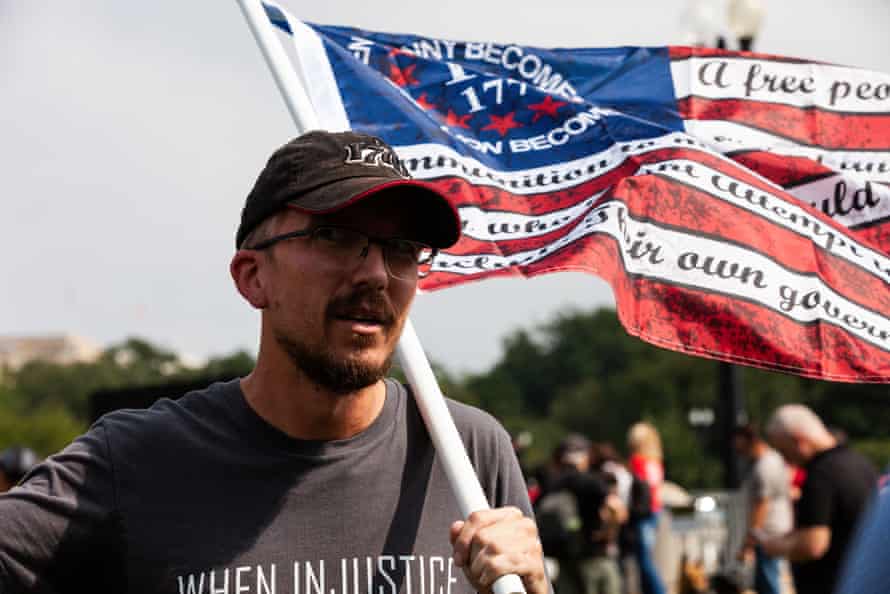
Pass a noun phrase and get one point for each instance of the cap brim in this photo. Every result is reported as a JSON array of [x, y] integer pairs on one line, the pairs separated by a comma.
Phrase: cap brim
[[439, 224]]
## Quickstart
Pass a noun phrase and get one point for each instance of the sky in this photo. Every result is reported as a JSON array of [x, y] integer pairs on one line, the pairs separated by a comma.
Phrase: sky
[[130, 133]]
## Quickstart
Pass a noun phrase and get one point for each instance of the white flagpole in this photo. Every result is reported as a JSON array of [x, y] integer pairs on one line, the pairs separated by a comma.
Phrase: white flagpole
[[430, 401]]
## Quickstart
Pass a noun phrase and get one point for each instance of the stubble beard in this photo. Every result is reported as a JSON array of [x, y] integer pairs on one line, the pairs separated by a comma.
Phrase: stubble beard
[[336, 374]]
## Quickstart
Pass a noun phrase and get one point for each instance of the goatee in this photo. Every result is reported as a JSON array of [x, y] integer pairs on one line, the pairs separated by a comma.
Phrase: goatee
[[337, 373]]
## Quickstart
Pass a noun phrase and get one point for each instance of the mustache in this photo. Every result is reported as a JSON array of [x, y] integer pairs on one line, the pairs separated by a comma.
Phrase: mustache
[[363, 303]]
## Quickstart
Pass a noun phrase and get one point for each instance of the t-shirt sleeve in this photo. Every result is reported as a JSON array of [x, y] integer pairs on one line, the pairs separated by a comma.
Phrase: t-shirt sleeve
[[511, 486], [492, 456], [59, 524], [816, 501]]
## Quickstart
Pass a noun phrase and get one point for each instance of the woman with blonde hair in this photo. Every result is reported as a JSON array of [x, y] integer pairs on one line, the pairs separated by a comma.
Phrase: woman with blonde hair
[[645, 464]]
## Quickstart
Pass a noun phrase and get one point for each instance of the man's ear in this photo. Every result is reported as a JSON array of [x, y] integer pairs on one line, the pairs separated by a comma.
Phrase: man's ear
[[245, 271]]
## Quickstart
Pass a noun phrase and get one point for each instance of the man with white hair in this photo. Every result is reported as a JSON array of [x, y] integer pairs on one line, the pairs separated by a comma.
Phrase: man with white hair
[[839, 485]]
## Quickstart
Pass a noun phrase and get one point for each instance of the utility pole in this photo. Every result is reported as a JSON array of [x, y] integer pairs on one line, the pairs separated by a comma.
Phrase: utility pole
[[729, 24]]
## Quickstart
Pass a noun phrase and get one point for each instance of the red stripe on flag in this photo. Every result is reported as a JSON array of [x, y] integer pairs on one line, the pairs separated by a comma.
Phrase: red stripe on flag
[[781, 169], [728, 329], [677, 53], [811, 126]]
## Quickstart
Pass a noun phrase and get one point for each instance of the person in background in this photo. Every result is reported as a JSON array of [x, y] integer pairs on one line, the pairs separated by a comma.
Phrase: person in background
[[547, 474], [838, 488], [769, 505], [15, 463], [588, 511], [607, 460], [645, 463]]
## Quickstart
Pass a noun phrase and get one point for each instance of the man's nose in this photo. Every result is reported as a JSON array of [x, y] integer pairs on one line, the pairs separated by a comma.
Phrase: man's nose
[[372, 267]]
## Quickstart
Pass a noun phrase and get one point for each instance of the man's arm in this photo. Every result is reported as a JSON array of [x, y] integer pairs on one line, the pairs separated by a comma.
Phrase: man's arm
[[758, 514], [614, 510], [804, 544], [756, 518], [58, 526]]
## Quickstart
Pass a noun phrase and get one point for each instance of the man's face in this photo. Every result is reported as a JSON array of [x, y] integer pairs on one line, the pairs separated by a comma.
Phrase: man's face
[[337, 320]]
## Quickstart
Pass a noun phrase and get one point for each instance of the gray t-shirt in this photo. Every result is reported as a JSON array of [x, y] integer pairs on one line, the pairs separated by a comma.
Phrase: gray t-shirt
[[769, 480], [202, 496]]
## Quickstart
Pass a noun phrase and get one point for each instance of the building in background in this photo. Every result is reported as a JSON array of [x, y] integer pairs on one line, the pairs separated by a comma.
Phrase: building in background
[[63, 349]]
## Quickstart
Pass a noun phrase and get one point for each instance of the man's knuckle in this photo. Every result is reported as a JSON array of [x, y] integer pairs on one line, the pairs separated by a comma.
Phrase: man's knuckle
[[476, 517]]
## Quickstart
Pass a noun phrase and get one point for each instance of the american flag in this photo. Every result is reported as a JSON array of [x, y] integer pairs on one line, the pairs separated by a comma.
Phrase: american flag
[[738, 204]]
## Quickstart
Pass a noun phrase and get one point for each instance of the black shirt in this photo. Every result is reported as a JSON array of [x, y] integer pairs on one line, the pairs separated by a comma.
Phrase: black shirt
[[839, 485], [590, 491]]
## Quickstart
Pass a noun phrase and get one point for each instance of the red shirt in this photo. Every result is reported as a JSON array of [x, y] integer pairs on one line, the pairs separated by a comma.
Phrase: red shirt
[[651, 471]]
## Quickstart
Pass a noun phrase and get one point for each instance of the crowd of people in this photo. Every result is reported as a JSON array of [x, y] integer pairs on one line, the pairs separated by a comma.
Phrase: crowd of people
[[805, 494], [597, 512]]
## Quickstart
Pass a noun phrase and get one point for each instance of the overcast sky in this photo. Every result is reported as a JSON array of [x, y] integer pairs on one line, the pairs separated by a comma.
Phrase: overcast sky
[[130, 133]]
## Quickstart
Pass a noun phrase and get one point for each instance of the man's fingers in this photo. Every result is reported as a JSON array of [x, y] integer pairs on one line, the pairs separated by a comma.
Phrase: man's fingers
[[490, 545], [464, 533]]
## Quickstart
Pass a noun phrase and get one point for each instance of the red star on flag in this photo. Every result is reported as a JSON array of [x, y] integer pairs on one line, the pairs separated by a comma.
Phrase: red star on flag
[[424, 102], [503, 124], [456, 121], [546, 107], [403, 77]]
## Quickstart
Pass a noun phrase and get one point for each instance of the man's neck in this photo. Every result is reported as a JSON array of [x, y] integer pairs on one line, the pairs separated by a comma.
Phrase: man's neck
[[286, 399]]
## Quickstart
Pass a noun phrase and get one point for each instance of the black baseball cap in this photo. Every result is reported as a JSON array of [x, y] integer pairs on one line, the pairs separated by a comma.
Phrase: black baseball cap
[[321, 172]]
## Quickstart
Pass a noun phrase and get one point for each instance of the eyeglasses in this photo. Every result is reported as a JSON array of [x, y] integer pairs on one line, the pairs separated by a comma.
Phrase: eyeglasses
[[404, 259]]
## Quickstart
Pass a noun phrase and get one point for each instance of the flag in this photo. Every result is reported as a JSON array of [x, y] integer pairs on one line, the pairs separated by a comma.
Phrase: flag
[[737, 203]]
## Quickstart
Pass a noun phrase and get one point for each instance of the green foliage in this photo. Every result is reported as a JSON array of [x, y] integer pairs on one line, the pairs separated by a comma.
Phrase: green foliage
[[45, 430], [581, 372], [875, 449], [44, 405]]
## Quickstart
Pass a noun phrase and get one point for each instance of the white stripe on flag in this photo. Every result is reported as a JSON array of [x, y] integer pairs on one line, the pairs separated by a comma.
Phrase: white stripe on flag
[[315, 71], [833, 88]]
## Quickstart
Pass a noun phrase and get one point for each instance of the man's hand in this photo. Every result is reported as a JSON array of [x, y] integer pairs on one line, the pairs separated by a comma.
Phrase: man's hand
[[497, 542]]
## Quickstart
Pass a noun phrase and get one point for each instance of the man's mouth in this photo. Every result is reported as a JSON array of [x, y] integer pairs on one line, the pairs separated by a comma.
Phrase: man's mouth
[[364, 322], [365, 313]]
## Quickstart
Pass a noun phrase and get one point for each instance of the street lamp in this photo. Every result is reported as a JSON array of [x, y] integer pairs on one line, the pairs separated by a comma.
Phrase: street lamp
[[745, 18]]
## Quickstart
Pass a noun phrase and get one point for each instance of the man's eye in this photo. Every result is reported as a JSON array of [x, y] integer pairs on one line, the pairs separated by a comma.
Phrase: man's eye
[[332, 234], [403, 247]]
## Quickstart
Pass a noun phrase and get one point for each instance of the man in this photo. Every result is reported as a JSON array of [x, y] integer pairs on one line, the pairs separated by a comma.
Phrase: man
[[769, 505], [590, 514], [838, 487], [313, 474]]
